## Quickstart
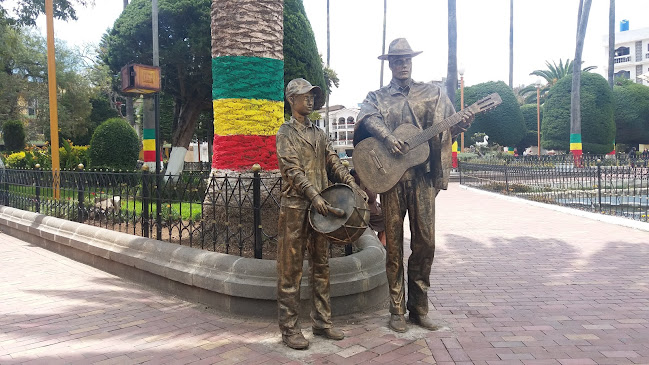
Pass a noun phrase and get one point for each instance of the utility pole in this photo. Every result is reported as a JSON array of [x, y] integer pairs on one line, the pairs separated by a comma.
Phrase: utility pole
[[51, 83]]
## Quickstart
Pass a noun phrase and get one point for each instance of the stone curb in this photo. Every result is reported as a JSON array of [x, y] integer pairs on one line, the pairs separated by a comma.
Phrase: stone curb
[[225, 282]]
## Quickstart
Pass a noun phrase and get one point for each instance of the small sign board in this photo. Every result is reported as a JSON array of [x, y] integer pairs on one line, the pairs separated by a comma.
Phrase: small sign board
[[140, 79]]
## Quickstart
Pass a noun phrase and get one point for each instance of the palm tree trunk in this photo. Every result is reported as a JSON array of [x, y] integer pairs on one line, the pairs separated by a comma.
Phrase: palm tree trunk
[[511, 43], [385, 12], [575, 107], [611, 43], [451, 75], [130, 112], [247, 36]]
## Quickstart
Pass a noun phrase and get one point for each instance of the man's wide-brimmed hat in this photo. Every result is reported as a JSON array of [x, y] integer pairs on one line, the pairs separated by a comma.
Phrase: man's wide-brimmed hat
[[399, 48], [301, 86]]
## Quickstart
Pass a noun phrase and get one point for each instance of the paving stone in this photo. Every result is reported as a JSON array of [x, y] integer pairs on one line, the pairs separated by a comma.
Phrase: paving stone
[[537, 288]]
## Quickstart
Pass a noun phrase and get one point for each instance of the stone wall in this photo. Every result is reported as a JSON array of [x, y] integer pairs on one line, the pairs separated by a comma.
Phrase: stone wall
[[224, 282]]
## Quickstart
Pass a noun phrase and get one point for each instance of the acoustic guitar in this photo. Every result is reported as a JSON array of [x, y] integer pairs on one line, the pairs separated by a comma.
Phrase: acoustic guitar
[[381, 170]]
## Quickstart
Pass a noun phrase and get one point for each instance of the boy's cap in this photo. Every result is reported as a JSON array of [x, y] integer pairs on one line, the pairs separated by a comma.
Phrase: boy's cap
[[302, 86]]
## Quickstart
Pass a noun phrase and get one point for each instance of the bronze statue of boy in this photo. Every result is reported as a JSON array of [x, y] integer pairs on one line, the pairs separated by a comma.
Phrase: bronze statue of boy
[[307, 161]]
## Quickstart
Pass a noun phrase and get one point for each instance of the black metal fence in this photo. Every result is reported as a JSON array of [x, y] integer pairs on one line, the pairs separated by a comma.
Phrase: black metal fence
[[235, 214], [608, 185]]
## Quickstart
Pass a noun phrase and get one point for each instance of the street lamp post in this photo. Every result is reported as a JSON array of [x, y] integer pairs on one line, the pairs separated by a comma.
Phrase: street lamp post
[[460, 70], [538, 117]]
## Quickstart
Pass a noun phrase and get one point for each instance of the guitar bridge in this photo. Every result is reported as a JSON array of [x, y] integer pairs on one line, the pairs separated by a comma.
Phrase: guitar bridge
[[377, 162]]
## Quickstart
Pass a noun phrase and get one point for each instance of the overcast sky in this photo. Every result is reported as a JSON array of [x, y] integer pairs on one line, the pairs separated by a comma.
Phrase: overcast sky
[[543, 30]]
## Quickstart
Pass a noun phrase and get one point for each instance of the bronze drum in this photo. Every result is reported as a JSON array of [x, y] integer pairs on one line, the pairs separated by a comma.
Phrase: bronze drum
[[338, 228]]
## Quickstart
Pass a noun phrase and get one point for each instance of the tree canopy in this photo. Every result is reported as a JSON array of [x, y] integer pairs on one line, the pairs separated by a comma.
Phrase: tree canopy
[[551, 75], [301, 57], [597, 113], [631, 113], [26, 12], [185, 55], [504, 125]]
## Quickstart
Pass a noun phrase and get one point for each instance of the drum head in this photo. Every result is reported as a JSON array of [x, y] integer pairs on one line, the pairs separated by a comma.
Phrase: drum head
[[339, 196]]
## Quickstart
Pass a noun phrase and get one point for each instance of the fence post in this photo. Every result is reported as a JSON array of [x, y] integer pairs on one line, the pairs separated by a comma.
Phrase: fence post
[[506, 178], [459, 170], [37, 184], [599, 184], [158, 204], [256, 201], [145, 200], [80, 195]]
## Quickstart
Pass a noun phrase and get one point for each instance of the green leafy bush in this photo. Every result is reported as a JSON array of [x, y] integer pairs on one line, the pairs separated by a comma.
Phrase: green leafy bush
[[597, 113], [631, 113], [71, 156], [30, 157], [504, 124], [530, 118], [13, 133], [114, 146]]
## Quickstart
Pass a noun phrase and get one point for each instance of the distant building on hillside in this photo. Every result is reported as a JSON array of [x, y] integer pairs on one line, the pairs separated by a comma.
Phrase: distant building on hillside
[[631, 53]]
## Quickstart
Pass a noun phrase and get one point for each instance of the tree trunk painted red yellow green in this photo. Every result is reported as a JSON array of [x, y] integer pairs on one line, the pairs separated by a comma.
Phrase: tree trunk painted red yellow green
[[248, 82]]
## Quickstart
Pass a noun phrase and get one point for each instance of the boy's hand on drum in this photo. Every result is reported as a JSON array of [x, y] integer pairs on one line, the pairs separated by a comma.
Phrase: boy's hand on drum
[[320, 205]]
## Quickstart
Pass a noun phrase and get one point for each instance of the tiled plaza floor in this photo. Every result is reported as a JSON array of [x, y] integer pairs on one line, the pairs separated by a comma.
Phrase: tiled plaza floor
[[512, 282]]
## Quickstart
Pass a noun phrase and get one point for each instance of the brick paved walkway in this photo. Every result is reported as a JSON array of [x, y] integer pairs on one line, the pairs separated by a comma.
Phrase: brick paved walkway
[[513, 283]]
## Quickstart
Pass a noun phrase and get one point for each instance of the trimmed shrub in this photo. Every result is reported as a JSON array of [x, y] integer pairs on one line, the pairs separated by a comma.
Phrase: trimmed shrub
[[631, 113], [504, 124], [13, 133], [597, 123], [530, 119], [114, 146]]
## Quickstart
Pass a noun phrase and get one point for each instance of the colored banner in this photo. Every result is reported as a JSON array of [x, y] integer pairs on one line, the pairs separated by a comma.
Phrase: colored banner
[[454, 150]]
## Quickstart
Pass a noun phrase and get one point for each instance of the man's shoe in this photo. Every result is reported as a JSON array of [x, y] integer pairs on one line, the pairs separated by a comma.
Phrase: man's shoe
[[398, 323], [296, 341], [330, 333], [423, 321]]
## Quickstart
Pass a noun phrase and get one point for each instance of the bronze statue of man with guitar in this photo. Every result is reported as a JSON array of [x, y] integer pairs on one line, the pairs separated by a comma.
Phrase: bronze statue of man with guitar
[[403, 151]]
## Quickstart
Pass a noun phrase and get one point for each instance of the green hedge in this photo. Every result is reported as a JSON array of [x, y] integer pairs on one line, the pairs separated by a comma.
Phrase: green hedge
[[597, 123], [13, 133], [631, 113], [504, 124], [114, 146]]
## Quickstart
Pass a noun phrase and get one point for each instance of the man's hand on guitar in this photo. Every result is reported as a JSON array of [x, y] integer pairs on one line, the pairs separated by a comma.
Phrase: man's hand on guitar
[[464, 124], [395, 145], [320, 205]]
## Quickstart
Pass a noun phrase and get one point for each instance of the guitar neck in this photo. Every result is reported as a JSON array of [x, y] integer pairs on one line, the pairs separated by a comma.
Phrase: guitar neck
[[436, 129]]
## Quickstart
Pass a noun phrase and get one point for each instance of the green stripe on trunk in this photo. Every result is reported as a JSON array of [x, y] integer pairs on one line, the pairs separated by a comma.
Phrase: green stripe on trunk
[[247, 78]]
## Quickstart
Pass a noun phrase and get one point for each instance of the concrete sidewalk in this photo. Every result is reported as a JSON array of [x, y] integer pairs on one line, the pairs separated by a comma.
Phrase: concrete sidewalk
[[512, 282]]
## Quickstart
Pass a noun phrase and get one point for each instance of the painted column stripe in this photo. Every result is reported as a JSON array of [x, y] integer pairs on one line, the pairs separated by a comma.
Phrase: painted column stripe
[[247, 78], [240, 152], [247, 116], [148, 133], [149, 156], [575, 138], [575, 143], [148, 144]]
